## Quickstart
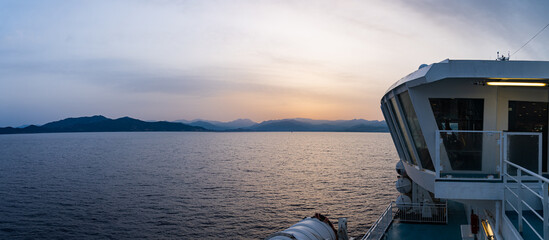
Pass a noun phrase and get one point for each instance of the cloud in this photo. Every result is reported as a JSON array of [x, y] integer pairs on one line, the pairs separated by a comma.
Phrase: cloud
[[318, 57], [131, 77]]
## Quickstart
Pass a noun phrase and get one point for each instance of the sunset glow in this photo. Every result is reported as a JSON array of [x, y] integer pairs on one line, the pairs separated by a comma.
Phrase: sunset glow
[[223, 60]]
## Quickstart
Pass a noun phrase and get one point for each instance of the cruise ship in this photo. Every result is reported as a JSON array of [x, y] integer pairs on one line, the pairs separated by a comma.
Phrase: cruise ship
[[472, 140]]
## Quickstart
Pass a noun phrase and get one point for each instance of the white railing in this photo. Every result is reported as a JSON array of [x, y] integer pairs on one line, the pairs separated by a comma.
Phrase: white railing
[[515, 185], [379, 228], [467, 155], [524, 149], [407, 212], [421, 213], [513, 157]]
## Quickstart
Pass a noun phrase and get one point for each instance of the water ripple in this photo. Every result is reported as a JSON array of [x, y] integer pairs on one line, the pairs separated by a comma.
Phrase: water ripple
[[189, 185]]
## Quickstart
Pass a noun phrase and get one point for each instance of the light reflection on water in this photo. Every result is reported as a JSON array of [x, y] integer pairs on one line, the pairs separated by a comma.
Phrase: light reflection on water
[[189, 185]]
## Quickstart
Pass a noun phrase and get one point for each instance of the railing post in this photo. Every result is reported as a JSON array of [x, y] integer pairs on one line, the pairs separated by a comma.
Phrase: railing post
[[446, 209], [540, 154], [501, 142], [519, 198], [505, 184], [498, 216], [437, 154], [504, 153], [545, 205]]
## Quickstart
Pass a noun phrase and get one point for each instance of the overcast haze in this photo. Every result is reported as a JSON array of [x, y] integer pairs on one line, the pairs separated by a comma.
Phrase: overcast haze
[[223, 60]]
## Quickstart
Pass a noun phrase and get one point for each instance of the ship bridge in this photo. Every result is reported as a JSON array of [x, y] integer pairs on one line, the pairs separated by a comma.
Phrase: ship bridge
[[476, 131]]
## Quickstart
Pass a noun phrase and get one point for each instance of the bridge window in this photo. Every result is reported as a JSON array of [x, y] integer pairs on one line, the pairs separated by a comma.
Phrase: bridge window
[[458, 113], [415, 130], [392, 130], [402, 130], [464, 149]]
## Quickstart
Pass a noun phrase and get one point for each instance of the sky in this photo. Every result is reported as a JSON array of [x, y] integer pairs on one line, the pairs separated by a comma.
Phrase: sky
[[223, 60]]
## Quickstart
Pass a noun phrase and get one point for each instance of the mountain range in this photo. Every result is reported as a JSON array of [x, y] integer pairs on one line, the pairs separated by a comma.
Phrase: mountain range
[[220, 126], [100, 123], [293, 124]]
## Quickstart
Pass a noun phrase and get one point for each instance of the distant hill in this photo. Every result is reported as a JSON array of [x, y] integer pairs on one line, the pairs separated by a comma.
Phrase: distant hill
[[72, 122], [220, 126], [207, 125], [293, 124], [102, 124], [283, 125], [300, 124], [367, 128], [238, 123]]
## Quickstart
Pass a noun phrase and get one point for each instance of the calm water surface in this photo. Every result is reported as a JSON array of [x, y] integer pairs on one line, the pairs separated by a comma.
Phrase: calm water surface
[[189, 185]]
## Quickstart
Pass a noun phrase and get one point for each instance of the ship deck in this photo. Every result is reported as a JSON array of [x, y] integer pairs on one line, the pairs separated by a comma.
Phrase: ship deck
[[422, 231]]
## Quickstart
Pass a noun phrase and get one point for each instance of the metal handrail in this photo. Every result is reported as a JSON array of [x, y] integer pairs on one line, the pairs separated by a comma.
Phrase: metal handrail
[[378, 229], [522, 184], [518, 182], [412, 212], [468, 131], [514, 185], [542, 178], [377, 224]]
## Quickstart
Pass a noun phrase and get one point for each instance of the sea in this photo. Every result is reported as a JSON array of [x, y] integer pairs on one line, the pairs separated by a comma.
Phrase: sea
[[190, 185]]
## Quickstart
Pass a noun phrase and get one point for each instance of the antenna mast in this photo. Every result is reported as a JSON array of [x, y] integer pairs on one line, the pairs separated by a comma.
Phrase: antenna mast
[[530, 39], [503, 57]]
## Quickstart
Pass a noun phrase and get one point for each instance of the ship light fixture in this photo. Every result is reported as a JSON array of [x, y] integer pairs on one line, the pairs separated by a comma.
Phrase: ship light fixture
[[488, 229], [517, 84]]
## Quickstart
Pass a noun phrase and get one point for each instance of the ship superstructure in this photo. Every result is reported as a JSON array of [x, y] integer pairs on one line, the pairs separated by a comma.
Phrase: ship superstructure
[[472, 140]]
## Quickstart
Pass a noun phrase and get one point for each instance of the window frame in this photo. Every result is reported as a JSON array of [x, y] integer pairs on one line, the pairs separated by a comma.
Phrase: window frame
[[407, 139], [419, 136], [393, 131]]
